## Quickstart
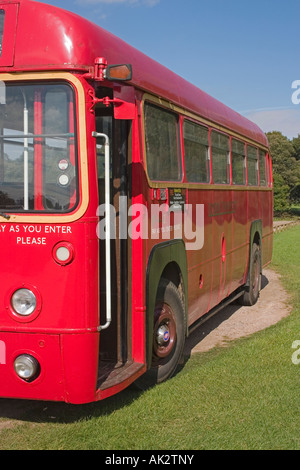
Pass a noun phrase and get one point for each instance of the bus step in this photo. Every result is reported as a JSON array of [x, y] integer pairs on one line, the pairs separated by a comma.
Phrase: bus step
[[111, 373]]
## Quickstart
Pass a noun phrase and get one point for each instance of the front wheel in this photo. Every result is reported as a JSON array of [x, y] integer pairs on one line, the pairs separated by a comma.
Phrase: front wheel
[[169, 327]]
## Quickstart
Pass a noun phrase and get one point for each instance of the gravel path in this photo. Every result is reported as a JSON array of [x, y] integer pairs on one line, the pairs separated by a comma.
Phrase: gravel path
[[235, 322]]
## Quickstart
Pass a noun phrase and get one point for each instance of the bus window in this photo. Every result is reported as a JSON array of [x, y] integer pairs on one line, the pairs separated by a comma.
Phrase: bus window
[[37, 149], [220, 158], [162, 144], [252, 165], [104, 126], [196, 152], [262, 168], [238, 162], [2, 16]]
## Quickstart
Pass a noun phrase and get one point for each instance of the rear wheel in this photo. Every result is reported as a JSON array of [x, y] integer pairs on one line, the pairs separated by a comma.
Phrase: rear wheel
[[168, 337], [251, 293]]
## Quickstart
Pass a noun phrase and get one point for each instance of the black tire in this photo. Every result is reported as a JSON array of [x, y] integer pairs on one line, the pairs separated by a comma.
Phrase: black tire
[[169, 328], [251, 294]]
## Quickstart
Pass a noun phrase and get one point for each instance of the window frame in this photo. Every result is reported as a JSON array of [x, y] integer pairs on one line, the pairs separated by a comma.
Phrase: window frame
[[167, 110], [256, 165], [263, 153], [72, 91], [228, 158], [208, 156], [244, 161]]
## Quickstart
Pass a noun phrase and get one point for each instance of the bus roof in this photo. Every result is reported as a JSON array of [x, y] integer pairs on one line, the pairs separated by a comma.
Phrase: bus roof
[[38, 36]]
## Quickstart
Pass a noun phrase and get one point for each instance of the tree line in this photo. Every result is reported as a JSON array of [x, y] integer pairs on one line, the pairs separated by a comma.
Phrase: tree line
[[286, 171]]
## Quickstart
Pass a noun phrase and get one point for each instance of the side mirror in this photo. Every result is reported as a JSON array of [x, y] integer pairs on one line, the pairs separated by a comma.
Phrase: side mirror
[[122, 72]]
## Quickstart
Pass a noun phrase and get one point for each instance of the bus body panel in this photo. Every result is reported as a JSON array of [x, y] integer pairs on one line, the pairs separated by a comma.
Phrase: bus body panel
[[46, 348], [62, 294]]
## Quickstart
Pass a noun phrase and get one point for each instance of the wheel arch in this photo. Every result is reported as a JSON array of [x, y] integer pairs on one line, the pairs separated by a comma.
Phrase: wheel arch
[[255, 237], [167, 260]]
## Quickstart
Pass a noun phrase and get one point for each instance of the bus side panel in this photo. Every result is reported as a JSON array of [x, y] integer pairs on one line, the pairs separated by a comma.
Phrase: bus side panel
[[254, 209], [80, 361], [240, 239], [199, 262], [267, 218], [221, 213]]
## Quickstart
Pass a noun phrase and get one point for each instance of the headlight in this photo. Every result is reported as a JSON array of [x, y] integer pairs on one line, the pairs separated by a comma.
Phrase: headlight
[[27, 367], [23, 302]]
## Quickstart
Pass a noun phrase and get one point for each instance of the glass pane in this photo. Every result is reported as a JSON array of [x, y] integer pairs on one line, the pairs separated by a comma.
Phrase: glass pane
[[238, 162], [2, 17], [220, 141], [220, 158], [37, 149], [262, 168], [252, 166], [162, 149], [196, 146]]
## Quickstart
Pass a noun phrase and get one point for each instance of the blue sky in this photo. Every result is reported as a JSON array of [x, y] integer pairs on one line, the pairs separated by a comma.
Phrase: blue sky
[[244, 53]]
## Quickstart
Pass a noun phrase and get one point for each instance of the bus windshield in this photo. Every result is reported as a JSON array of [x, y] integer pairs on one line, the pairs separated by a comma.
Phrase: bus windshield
[[38, 151]]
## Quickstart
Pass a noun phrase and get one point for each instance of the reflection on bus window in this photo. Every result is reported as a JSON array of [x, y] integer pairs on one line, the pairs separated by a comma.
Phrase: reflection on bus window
[[103, 126], [38, 152], [262, 168], [238, 159], [220, 157], [162, 144], [2, 18], [252, 165], [196, 152]]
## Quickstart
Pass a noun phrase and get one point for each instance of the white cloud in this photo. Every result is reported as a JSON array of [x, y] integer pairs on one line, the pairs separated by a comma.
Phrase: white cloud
[[285, 120]]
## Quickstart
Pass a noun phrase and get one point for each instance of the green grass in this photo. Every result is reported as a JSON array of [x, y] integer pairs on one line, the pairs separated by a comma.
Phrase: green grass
[[244, 396]]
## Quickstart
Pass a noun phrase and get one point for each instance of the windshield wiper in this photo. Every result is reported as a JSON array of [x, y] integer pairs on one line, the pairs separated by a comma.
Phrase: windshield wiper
[[5, 216]]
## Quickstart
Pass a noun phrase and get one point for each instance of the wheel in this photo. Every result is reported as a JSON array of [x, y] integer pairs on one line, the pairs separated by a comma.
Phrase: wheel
[[169, 327], [251, 293]]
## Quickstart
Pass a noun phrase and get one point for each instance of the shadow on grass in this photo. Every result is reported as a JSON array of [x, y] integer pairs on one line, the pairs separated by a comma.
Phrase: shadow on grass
[[57, 412]]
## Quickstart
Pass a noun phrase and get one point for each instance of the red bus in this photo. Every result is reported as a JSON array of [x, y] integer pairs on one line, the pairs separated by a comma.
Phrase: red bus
[[133, 206]]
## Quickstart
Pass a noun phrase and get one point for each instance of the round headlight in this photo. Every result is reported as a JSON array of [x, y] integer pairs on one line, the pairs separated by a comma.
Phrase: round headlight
[[23, 302], [26, 367]]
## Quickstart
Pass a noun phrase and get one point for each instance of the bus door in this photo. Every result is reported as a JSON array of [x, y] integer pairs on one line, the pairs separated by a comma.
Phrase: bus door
[[113, 338]]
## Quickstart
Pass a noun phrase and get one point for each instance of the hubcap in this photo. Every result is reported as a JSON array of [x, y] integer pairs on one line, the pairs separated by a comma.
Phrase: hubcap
[[164, 333]]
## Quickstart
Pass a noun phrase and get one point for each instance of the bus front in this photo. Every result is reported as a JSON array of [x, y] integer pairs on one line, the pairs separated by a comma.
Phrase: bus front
[[49, 262], [55, 117]]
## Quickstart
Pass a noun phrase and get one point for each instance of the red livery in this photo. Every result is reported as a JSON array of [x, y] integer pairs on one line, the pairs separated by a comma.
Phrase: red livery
[[133, 206]]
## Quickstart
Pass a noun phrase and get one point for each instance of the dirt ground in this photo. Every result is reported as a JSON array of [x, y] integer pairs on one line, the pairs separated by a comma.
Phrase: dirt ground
[[235, 321]]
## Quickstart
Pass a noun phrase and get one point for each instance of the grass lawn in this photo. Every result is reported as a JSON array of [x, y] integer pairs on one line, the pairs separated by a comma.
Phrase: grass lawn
[[244, 396]]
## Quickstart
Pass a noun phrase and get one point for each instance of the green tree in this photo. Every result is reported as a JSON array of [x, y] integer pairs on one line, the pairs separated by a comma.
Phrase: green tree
[[281, 195], [286, 169], [296, 145]]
